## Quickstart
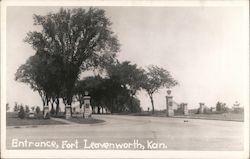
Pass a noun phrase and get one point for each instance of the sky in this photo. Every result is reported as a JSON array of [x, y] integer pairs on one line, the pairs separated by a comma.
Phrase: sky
[[204, 48]]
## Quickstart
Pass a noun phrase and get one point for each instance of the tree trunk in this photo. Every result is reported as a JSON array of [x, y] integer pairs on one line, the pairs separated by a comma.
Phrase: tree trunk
[[65, 104], [69, 102], [43, 106], [152, 102], [57, 106], [47, 101], [43, 99], [81, 103], [131, 104], [52, 111], [98, 110], [71, 112], [44, 102]]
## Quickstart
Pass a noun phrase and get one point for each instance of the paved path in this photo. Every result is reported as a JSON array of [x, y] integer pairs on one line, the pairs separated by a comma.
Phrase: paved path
[[174, 132]]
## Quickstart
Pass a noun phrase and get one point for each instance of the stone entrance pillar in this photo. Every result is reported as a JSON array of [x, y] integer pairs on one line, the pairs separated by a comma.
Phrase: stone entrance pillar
[[68, 112], [169, 103], [87, 107], [46, 112], [185, 109], [201, 109]]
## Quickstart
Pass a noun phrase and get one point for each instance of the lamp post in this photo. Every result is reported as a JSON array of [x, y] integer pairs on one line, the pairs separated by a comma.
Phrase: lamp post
[[185, 109], [169, 104], [201, 109]]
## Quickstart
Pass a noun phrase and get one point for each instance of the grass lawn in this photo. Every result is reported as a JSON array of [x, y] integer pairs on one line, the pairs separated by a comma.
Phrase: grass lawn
[[85, 121], [13, 120], [212, 116], [224, 116]]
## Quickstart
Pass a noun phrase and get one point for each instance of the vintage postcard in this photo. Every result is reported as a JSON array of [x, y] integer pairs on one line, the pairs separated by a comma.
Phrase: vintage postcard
[[124, 79]]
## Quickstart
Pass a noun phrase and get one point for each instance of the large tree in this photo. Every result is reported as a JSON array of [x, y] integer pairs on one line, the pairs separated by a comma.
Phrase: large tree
[[79, 37], [156, 78], [43, 73]]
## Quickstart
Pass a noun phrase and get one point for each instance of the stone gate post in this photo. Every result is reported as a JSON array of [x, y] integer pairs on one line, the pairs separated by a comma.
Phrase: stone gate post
[[68, 112], [46, 112], [169, 103], [185, 109], [201, 109], [87, 107]]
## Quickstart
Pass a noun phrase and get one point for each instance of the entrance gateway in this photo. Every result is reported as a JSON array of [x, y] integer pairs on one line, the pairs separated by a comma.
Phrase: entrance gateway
[[83, 112], [171, 108]]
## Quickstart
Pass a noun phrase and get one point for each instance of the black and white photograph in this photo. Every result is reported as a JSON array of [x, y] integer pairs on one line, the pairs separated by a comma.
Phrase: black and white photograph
[[125, 79]]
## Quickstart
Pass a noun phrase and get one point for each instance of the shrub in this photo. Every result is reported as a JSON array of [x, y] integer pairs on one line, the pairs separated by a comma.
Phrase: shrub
[[38, 110], [16, 107], [27, 109], [21, 113], [33, 109]]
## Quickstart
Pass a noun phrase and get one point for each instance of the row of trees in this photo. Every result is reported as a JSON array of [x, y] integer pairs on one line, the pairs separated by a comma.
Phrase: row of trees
[[73, 41]]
